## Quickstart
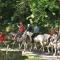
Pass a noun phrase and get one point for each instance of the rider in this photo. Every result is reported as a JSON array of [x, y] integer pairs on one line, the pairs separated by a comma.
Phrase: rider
[[21, 29], [30, 28], [36, 32]]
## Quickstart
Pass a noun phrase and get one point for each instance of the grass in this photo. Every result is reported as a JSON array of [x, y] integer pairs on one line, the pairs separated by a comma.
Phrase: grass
[[33, 58], [16, 56]]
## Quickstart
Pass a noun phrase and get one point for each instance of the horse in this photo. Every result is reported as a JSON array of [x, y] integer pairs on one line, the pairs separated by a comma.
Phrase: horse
[[55, 43], [42, 39], [25, 39]]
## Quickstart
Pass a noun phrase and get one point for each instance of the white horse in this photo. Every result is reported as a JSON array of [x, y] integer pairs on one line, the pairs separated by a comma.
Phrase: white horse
[[42, 39]]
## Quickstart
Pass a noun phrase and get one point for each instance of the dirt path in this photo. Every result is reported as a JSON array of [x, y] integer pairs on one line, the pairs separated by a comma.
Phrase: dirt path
[[42, 56]]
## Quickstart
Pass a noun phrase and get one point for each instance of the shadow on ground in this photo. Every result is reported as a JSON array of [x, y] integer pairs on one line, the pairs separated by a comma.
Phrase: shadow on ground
[[12, 56]]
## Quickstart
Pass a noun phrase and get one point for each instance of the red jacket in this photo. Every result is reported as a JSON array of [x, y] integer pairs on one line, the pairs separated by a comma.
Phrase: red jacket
[[21, 28], [2, 37]]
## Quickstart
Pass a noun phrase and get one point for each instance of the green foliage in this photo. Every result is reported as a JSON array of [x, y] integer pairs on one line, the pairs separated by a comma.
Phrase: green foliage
[[12, 11], [46, 12]]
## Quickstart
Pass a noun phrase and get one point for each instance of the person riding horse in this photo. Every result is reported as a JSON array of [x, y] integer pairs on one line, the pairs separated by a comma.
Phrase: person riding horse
[[21, 29]]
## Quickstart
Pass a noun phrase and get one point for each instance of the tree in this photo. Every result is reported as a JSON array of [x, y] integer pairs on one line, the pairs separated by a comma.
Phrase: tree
[[46, 12], [12, 11]]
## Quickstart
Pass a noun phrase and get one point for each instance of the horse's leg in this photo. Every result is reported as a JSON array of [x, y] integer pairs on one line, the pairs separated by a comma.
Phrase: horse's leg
[[31, 43], [19, 46], [50, 46], [52, 49], [55, 48], [54, 52], [35, 47], [13, 44], [30, 49], [30, 38], [42, 46], [25, 46], [48, 49], [8, 46]]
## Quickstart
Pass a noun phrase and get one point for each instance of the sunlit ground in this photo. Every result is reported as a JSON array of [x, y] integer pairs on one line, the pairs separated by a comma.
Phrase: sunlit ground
[[32, 58]]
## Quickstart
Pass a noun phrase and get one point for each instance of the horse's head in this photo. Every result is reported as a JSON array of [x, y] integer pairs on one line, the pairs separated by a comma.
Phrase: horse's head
[[29, 33], [53, 38]]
